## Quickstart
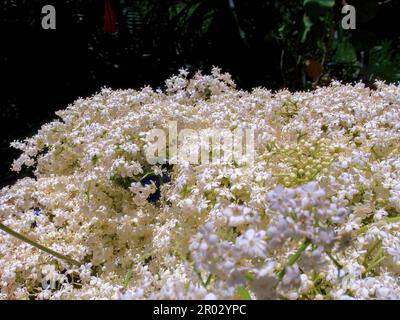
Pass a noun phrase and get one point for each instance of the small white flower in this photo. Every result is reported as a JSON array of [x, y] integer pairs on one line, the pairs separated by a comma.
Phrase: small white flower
[[252, 243]]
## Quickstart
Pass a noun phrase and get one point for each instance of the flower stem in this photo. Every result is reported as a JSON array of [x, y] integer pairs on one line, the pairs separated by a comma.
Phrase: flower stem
[[37, 245], [366, 227], [295, 257], [334, 260]]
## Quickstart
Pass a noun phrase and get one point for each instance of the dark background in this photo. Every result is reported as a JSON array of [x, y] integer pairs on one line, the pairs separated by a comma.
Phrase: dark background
[[297, 44]]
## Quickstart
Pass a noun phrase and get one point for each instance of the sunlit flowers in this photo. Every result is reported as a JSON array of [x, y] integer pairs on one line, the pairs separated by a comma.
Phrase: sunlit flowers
[[314, 216]]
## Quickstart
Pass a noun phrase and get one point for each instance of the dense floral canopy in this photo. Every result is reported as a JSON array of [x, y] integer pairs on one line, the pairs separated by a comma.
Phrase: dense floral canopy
[[315, 216]]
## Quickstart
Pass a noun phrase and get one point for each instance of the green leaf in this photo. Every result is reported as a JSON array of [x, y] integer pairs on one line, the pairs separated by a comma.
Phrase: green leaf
[[307, 27], [243, 293], [322, 3], [315, 9], [345, 52]]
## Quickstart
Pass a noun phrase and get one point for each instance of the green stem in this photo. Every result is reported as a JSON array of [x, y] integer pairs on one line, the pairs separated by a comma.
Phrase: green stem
[[37, 245], [208, 280], [374, 264], [387, 220], [295, 257], [371, 250], [128, 278], [204, 283], [334, 260]]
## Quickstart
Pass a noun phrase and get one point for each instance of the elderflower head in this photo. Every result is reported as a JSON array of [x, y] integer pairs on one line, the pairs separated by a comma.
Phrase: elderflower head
[[313, 215]]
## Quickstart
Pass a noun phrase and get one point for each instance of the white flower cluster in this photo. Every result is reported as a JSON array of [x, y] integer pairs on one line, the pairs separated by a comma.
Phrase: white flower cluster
[[316, 216]]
